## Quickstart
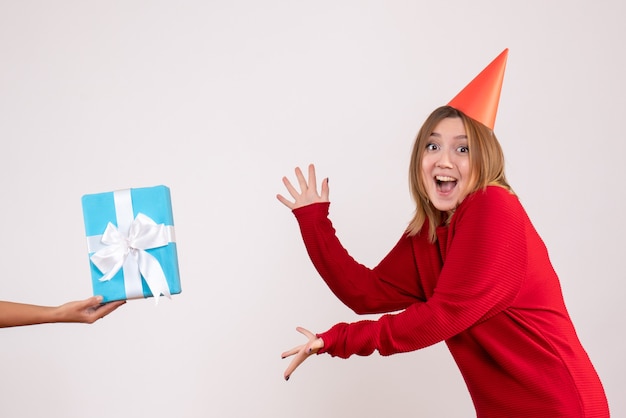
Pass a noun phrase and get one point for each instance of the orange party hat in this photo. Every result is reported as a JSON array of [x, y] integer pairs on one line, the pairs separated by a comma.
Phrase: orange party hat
[[479, 99]]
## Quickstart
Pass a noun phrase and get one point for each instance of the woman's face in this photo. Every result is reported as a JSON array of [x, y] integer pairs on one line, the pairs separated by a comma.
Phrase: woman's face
[[446, 165]]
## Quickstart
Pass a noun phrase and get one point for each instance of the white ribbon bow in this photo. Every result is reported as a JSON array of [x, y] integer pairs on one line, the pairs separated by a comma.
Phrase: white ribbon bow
[[143, 234]]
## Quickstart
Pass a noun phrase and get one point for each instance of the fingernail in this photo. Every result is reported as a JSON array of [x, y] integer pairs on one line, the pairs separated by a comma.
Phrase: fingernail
[[287, 378]]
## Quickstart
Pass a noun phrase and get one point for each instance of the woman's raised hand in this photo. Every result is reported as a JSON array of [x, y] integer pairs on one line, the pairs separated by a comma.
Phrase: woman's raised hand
[[302, 352], [308, 190]]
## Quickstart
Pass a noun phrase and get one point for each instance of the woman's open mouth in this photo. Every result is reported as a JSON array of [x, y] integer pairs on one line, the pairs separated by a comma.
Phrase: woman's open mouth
[[445, 184]]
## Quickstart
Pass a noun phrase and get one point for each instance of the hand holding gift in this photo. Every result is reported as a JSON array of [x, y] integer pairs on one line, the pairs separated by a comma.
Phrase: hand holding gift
[[88, 311]]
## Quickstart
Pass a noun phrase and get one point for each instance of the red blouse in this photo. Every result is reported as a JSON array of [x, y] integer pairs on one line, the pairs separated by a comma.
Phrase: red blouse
[[486, 287]]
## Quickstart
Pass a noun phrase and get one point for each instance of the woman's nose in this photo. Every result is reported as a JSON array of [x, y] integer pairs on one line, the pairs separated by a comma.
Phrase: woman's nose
[[444, 161]]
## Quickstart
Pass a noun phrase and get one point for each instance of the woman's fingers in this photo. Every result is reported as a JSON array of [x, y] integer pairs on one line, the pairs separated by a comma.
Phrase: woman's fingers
[[291, 352], [325, 190], [297, 361], [284, 201], [301, 352], [308, 334], [302, 181], [312, 180], [308, 190], [292, 190]]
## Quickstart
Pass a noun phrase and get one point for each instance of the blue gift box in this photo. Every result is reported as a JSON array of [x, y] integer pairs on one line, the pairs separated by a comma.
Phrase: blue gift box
[[131, 243]]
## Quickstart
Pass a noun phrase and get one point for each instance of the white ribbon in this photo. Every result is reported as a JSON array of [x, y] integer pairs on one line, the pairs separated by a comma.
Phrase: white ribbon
[[115, 249]]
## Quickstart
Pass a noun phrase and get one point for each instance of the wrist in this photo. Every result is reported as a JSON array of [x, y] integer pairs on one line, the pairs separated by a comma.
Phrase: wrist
[[53, 314], [322, 344]]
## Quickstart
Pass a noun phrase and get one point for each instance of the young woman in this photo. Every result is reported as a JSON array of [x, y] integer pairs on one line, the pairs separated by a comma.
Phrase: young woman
[[14, 314], [470, 270]]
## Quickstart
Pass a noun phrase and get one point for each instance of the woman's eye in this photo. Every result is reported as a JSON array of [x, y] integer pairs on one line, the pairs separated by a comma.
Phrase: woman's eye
[[431, 147], [463, 149]]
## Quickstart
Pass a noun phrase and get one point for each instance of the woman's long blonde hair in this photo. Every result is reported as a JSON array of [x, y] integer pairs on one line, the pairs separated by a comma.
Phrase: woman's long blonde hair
[[486, 166]]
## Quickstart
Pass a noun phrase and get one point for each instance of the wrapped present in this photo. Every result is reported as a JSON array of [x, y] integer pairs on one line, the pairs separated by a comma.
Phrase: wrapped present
[[131, 243]]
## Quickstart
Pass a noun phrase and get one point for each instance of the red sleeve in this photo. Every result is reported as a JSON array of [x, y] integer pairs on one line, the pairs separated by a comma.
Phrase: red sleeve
[[391, 286], [482, 273]]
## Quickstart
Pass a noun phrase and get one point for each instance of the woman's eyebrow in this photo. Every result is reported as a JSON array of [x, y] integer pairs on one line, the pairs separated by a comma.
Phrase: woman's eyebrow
[[457, 137]]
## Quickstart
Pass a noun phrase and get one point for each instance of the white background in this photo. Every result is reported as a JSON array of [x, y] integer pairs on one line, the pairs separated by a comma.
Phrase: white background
[[218, 100]]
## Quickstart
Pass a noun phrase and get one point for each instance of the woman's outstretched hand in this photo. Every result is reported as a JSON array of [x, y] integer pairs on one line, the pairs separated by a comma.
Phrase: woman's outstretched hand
[[308, 190], [302, 352], [86, 311]]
